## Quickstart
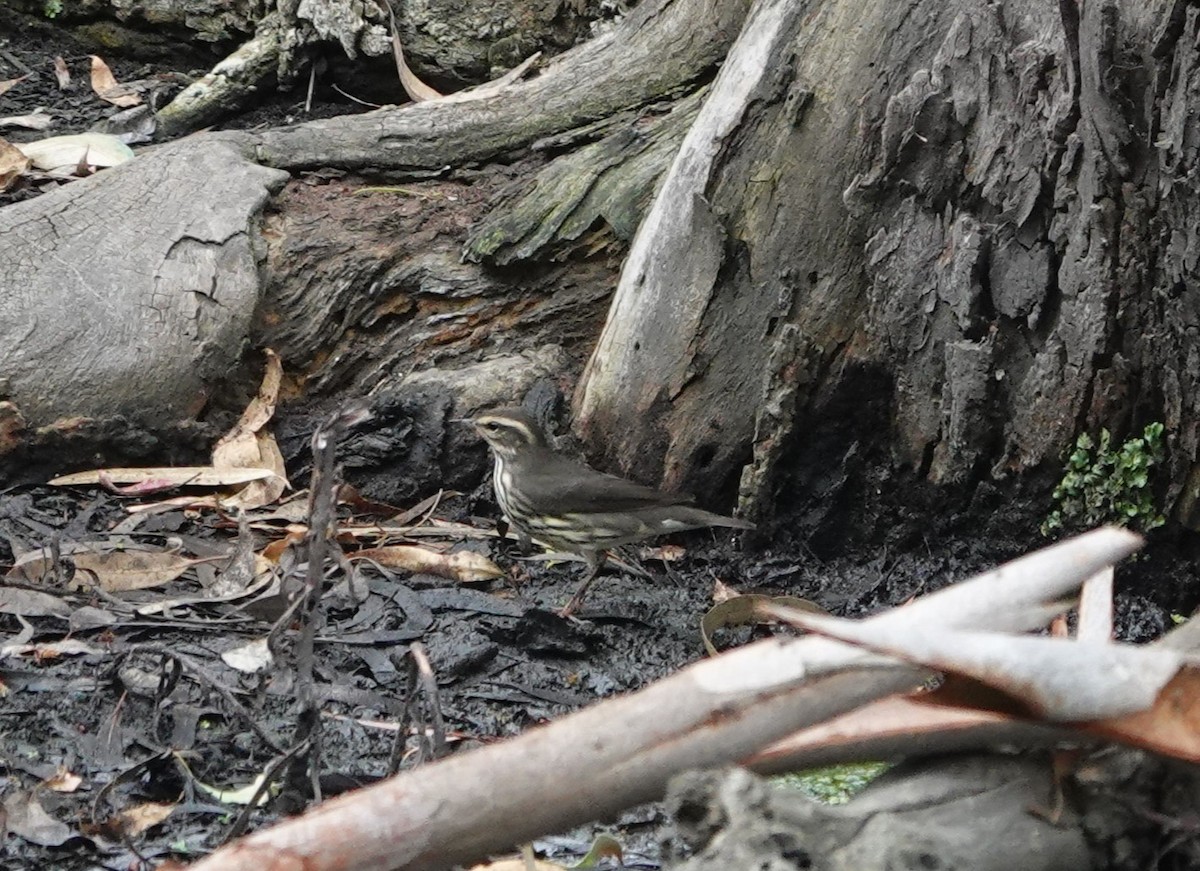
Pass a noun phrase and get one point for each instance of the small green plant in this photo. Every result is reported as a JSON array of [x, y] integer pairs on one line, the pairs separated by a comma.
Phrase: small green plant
[[52, 8], [1103, 485]]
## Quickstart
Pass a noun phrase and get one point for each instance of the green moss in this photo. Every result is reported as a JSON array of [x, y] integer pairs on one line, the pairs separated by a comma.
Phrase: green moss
[[836, 784]]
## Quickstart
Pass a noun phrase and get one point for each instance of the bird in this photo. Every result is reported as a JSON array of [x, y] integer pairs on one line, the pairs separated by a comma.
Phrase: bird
[[570, 506]]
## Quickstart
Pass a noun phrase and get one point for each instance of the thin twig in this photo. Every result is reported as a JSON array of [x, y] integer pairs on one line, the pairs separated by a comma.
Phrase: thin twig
[[199, 671]]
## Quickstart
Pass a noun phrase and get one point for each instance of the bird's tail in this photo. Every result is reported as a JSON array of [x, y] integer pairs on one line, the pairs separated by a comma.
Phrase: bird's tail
[[699, 517]]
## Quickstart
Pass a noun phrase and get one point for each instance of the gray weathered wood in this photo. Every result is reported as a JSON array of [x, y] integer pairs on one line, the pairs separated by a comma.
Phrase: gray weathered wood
[[131, 292]]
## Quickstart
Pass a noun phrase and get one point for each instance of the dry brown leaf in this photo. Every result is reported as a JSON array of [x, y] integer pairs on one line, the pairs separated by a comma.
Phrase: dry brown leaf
[[463, 565], [26, 818], [13, 164], [667, 553], [1171, 727], [752, 608], [179, 476], [722, 592], [117, 571], [61, 73], [416, 89], [234, 448], [274, 551], [108, 89], [63, 781], [248, 445], [138, 818]]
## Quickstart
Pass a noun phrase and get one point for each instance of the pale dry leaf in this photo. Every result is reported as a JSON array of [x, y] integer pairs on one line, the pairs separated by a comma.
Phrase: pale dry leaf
[[38, 119], [118, 571], [194, 503], [61, 74], [31, 603], [27, 819], [180, 476], [139, 818], [13, 164], [105, 84], [52, 649], [463, 565], [236, 447], [248, 445], [748, 609], [667, 553], [722, 592], [251, 658], [63, 781], [241, 795], [8, 84], [58, 153], [267, 491]]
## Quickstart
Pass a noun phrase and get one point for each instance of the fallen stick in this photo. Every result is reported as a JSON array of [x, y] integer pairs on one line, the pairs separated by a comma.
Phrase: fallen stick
[[623, 751]]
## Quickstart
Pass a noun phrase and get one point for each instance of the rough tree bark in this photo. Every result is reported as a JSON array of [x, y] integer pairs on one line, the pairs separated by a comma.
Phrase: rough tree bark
[[964, 221], [937, 237]]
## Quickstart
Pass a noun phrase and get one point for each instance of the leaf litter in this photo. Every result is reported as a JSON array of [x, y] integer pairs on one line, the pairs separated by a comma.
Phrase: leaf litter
[[207, 660]]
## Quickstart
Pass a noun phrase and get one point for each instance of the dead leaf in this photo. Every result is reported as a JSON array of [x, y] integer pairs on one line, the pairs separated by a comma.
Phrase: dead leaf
[[234, 449], [416, 89], [139, 818], [8, 84], [31, 603], [13, 164], [59, 153], [52, 649], [107, 88], [35, 120], [667, 553], [63, 781], [752, 608], [251, 658], [463, 565], [722, 592], [28, 819], [248, 445], [61, 73], [115, 572], [179, 476]]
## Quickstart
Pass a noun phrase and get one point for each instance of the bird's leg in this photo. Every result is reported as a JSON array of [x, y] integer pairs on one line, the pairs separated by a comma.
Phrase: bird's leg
[[524, 542], [595, 559]]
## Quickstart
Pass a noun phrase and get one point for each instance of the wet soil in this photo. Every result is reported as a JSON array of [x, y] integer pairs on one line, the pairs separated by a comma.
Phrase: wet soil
[[141, 706]]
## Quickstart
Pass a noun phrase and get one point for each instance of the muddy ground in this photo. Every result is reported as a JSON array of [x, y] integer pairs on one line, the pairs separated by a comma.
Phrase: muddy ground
[[112, 704]]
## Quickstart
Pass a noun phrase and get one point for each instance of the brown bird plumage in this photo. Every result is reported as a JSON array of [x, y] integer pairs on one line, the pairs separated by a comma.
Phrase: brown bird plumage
[[570, 506]]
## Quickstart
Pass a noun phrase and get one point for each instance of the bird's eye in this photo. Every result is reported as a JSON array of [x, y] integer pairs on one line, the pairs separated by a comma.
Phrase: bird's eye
[[489, 426]]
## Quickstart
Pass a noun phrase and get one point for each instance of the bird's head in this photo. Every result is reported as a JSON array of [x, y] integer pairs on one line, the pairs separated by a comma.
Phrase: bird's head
[[508, 431]]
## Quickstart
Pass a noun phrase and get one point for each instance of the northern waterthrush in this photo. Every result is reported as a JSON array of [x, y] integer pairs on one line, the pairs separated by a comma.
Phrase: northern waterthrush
[[572, 507]]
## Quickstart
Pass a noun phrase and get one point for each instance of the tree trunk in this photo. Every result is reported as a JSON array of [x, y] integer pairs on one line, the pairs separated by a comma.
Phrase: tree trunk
[[946, 231]]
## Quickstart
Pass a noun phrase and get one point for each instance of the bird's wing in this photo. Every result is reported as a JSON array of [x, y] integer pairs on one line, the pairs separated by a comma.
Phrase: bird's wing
[[592, 491]]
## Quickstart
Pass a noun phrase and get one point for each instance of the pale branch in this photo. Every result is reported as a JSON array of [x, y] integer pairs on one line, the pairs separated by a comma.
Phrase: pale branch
[[623, 751]]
